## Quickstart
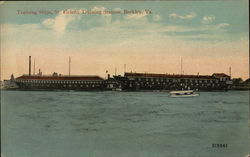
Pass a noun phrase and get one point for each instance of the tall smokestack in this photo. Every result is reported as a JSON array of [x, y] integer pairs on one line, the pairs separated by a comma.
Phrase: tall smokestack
[[29, 65], [124, 68], [230, 72]]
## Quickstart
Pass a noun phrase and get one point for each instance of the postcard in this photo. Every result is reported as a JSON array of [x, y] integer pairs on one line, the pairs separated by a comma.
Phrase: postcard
[[125, 78]]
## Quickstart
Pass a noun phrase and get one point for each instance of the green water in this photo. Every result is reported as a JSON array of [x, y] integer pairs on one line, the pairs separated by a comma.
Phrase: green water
[[123, 124]]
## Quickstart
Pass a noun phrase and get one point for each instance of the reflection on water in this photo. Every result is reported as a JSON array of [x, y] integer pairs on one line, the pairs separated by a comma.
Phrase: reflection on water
[[127, 124]]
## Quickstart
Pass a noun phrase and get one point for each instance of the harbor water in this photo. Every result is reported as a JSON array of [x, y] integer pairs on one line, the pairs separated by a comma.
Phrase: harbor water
[[123, 124]]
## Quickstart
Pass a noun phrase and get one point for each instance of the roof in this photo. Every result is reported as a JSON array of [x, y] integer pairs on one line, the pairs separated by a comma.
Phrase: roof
[[220, 75], [36, 77], [167, 75]]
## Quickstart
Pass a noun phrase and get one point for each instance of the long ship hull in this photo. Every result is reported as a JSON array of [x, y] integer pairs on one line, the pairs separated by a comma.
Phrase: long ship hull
[[77, 83], [161, 82]]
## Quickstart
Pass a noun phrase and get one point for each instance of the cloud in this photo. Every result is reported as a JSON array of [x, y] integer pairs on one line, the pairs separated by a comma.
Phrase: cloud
[[139, 15], [117, 9], [98, 8], [208, 19], [61, 21], [122, 25], [223, 25], [188, 16], [48, 22], [113, 23], [156, 17], [73, 18]]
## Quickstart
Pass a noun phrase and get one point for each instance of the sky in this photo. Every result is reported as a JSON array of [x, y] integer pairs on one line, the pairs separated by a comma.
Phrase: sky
[[208, 36]]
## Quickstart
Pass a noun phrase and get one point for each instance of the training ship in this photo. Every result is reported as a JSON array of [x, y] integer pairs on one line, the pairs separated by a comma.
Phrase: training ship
[[160, 82], [129, 82], [60, 82], [55, 82]]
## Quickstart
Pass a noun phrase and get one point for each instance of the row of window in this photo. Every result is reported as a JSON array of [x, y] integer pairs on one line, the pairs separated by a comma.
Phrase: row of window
[[175, 80], [64, 85], [223, 79], [61, 82], [203, 85]]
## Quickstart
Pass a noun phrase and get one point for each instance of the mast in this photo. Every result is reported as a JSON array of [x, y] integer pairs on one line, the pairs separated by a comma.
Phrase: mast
[[34, 67], [181, 67], [29, 65], [69, 64]]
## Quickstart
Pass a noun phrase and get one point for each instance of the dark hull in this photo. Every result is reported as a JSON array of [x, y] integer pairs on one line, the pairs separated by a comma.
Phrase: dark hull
[[135, 85], [126, 84], [60, 87], [157, 88]]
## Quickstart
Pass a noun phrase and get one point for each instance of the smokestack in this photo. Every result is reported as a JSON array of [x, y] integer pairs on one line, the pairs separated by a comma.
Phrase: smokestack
[[230, 72], [29, 65], [124, 68]]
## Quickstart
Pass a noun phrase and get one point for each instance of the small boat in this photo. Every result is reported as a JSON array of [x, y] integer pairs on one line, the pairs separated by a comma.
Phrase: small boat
[[183, 93], [119, 89]]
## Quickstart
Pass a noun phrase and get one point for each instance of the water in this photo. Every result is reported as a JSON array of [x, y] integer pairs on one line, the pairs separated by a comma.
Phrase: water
[[123, 124]]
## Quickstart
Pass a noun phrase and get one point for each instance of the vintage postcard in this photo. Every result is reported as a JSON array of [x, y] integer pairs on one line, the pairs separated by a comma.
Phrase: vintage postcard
[[125, 78]]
